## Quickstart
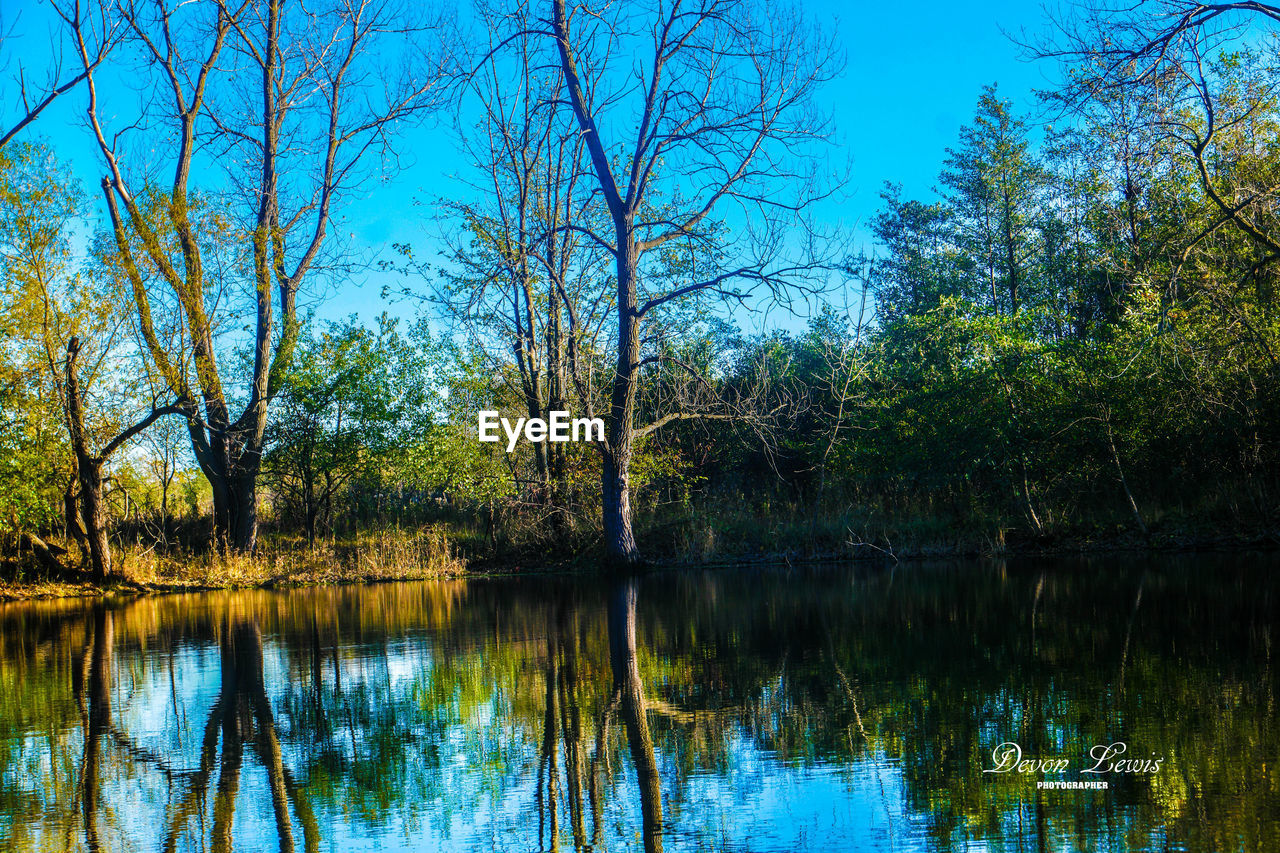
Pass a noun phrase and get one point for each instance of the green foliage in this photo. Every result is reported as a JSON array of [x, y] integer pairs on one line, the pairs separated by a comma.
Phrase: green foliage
[[449, 459], [1073, 335], [39, 307], [350, 402]]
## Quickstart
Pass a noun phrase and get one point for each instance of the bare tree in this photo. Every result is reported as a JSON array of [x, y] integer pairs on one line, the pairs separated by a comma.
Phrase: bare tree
[[1162, 51], [281, 110], [89, 523], [32, 97], [523, 284], [690, 112], [1131, 41]]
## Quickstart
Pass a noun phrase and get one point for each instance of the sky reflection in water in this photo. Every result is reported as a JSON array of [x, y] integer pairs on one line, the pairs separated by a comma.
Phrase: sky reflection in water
[[762, 711]]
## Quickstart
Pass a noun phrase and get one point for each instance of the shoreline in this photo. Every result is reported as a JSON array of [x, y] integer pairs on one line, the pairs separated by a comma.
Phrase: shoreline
[[319, 573]]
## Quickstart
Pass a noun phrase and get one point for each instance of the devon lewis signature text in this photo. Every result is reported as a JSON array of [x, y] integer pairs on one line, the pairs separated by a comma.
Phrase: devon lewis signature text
[[1103, 758]]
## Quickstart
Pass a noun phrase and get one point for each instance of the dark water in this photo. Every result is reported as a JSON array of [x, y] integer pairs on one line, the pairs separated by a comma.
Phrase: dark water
[[749, 711]]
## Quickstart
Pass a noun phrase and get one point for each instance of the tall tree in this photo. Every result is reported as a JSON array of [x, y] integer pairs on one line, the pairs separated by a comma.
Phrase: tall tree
[[913, 272], [57, 310], [523, 284], [331, 84], [688, 109], [994, 184]]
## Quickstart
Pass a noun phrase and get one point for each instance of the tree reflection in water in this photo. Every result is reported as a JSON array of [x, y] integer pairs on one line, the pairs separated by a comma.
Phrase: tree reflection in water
[[243, 711], [562, 728], [95, 704], [758, 710], [629, 696]]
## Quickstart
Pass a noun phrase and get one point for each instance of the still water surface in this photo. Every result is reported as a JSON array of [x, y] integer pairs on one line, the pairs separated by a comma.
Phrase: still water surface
[[851, 709]]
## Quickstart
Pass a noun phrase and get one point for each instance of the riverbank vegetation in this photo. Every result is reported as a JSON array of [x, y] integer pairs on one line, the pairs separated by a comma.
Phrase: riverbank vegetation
[[1072, 343]]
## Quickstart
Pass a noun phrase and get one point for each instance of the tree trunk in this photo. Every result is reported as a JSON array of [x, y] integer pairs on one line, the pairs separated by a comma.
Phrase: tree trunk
[[93, 512], [89, 472], [71, 508], [1124, 481], [244, 510], [233, 481], [310, 521], [615, 473], [619, 540], [47, 554]]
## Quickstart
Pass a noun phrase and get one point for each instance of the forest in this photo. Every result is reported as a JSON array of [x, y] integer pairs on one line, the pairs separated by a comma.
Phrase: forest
[[1070, 344]]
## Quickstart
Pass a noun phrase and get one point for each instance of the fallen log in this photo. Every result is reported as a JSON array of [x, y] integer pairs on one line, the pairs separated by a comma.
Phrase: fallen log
[[47, 554]]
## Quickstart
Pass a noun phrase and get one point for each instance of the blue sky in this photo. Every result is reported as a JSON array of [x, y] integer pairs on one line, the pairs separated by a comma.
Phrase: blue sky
[[913, 76]]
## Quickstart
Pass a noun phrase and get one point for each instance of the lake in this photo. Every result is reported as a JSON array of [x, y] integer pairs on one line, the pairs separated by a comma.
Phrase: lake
[[921, 707]]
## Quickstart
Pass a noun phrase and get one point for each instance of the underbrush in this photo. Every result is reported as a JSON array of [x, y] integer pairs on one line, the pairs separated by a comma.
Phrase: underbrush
[[726, 528], [736, 528], [392, 553]]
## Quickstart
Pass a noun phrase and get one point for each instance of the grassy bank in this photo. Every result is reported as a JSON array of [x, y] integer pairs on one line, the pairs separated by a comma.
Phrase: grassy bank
[[725, 531], [385, 555]]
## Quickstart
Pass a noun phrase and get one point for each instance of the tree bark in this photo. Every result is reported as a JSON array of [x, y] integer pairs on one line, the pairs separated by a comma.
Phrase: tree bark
[[615, 471], [243, 510], [89, 473], [233, 478]]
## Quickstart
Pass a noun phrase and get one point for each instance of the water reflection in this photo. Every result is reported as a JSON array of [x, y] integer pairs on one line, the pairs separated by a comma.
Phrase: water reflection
[[628, 697], [243, 713], [95, 699], [709, 711]]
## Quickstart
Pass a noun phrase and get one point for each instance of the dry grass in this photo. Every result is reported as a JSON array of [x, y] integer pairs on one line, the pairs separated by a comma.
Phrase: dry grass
[[383, 555], [12, 590]]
